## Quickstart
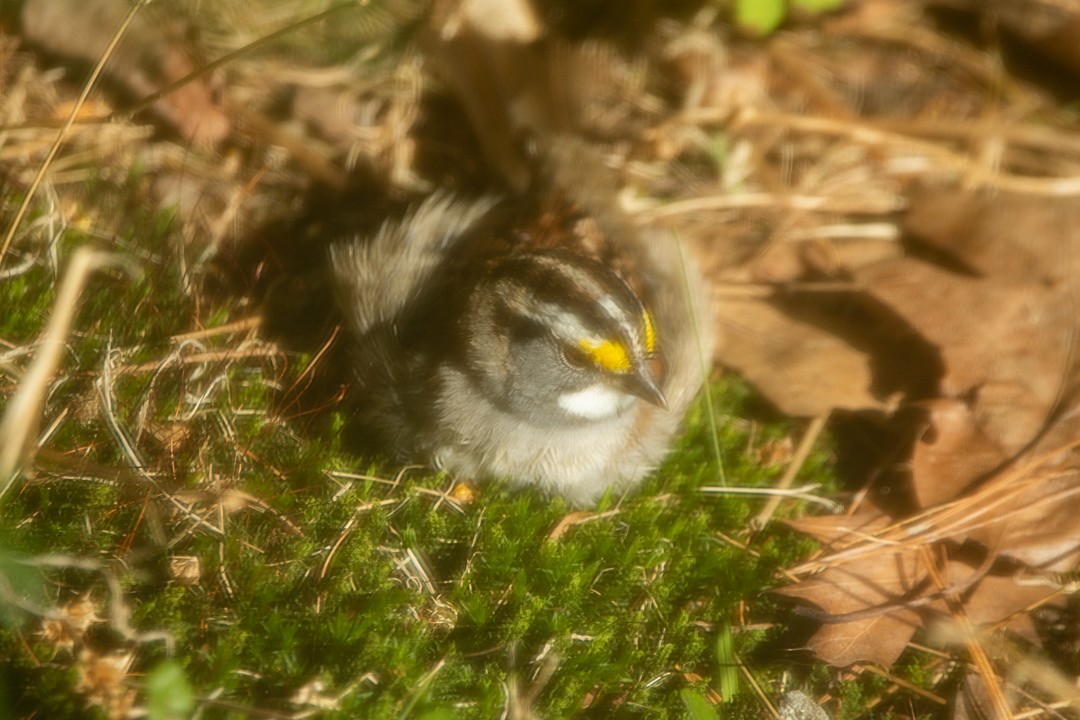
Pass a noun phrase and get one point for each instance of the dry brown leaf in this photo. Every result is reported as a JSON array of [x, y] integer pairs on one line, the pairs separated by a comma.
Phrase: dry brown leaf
[[871, 606], [997, 465], [861, 584], [878, 639], [1000, 235], [951, 454], [1039, 524], [865, 619], [1010, 343], [1007, 339], [803, 370], [1004, 601], [840, 531], [782, 262]]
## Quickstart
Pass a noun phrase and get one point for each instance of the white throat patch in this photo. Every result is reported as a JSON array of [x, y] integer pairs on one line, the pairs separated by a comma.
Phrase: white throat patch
[[594, 402]]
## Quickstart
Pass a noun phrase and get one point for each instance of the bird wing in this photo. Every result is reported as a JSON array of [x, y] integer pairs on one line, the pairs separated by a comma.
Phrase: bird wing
[[377, 278]]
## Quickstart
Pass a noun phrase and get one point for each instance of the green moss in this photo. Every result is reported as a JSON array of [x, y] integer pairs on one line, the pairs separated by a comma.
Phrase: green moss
[[27, 299], [367, 586]]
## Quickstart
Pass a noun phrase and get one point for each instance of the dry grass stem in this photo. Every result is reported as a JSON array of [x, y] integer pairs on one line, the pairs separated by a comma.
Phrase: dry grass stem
[[971, 640], [901, 682], [22, 417], [802, 452], [817, 203], [762, 696]]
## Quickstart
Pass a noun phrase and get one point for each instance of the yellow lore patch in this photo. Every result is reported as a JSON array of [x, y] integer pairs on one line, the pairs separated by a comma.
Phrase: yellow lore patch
[[608, 354]]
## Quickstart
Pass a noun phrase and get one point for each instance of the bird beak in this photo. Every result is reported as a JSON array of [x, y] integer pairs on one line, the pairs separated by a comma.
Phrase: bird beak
[[642, 384]]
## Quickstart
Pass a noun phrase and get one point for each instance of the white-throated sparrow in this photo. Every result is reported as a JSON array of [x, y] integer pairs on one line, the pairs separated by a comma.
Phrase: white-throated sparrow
[[547, 342], [540, 337]]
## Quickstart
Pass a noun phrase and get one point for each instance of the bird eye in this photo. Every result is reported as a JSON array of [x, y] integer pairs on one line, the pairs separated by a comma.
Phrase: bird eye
[[575, 357]]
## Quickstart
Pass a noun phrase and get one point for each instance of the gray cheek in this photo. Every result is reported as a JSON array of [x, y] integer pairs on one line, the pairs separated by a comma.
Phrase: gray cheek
[[539, 378]]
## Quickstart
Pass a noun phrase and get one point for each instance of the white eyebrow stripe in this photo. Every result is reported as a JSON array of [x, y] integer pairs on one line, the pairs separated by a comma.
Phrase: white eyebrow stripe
[[560, 317], [611, 308]]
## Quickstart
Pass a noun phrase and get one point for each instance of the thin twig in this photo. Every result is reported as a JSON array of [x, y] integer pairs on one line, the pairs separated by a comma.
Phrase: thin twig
[[152, 98], [806, 444]]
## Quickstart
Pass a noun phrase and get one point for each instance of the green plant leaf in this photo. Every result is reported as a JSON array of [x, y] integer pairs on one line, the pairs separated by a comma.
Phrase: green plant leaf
[[697, 707], [439, 714], [24, 581], [760, 16], [728, 673], [168, 693]]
